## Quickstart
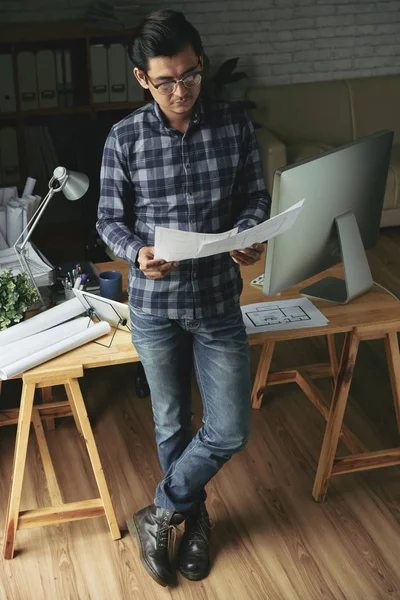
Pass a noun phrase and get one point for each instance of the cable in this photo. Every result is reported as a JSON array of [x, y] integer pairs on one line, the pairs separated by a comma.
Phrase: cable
[[388, 291]]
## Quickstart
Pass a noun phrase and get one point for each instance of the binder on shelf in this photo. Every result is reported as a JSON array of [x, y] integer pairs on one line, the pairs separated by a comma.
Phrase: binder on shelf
[[68, 78], [46, 78], [60, 81], [117, 73], [7, 87], [135, 90], [9, 161], [27, 80], [100, 89]]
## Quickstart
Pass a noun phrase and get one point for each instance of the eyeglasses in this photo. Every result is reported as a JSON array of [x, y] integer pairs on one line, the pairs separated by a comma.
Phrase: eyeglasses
[[169, 87]]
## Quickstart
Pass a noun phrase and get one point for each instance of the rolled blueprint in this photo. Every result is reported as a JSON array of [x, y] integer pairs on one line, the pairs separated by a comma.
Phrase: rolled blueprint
[[8, 194], [29, 186], [42, 321], [28, 204], [3, 222], [3, 243], [49, 344], [14, 217]]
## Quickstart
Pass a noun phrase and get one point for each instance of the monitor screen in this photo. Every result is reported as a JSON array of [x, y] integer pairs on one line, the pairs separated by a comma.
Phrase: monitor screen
[[349, 179]]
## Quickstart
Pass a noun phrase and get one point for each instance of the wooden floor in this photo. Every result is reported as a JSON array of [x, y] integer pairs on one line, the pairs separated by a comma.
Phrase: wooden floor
[[270, 540]]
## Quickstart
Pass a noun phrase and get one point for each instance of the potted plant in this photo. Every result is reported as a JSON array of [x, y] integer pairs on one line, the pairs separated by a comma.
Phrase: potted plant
[[17, 294], [226, 74]]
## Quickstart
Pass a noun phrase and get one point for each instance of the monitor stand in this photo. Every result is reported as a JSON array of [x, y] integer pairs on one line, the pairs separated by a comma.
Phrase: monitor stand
[[358, 278]]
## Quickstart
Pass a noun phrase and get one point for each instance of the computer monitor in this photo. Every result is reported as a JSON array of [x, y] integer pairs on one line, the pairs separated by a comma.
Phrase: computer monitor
[[343, 191]]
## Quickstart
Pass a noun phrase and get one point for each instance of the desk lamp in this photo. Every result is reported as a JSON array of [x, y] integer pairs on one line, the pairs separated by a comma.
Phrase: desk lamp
[[74, 186]]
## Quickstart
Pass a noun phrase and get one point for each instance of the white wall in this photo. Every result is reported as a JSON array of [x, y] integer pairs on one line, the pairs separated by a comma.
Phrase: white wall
[[278, 41]]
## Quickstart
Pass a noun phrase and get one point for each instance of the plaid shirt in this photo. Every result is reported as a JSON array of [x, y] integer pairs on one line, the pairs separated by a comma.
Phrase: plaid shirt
[[207, 180]]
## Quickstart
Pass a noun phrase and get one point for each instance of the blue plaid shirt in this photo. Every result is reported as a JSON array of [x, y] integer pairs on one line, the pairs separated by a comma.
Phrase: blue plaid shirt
[[207, 180]]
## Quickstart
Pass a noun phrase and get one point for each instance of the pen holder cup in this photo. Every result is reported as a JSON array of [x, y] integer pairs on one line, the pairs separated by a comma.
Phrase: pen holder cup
[[111, 285]]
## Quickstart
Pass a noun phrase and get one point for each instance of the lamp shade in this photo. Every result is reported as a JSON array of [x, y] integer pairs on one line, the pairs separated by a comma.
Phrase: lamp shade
[[75, 185]]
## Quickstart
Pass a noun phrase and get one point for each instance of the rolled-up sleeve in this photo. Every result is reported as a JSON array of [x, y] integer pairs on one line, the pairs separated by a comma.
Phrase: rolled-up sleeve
[[116, 193]]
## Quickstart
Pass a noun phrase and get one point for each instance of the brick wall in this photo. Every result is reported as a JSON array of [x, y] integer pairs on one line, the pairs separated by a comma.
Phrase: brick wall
[[278, 41]]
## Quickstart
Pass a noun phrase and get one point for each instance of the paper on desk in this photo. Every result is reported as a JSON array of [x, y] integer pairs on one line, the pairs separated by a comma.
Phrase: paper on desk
[[174, 244], [282, 315], [17, 358]]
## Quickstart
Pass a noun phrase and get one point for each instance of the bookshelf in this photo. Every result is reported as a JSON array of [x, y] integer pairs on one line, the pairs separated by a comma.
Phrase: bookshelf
[[77, 124]]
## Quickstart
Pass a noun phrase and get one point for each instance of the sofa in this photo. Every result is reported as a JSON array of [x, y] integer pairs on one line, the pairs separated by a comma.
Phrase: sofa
[[301, 120]]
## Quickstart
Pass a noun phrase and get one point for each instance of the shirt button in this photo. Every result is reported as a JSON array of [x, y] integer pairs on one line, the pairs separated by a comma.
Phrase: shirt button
[[194, 275], [193, 220]]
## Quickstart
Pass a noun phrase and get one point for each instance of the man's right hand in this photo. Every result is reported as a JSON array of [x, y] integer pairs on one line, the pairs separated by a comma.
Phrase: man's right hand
[[153, 269]]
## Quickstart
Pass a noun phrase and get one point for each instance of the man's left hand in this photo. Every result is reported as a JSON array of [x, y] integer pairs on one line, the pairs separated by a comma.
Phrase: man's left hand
[[247, 256]]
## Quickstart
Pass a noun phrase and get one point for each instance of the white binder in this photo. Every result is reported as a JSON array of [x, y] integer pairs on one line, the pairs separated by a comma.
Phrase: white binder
[[117, 73], [7, 87], [100, 90], [9, 161], [135, 90], [28, 91], [68, 78], [46, 77], [61, 98]]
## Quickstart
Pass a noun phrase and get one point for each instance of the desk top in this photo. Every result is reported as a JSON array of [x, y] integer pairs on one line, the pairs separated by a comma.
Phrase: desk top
[[376, 308]]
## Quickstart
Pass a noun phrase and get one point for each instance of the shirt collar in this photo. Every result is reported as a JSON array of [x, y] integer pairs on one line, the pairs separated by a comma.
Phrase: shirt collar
[[197, 117]]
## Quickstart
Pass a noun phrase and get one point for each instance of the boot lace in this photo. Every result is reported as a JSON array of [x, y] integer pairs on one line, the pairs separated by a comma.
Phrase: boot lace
[[167, 538], [198, 533]]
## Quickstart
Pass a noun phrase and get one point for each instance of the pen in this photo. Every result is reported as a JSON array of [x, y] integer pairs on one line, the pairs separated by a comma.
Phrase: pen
[[83, 281]]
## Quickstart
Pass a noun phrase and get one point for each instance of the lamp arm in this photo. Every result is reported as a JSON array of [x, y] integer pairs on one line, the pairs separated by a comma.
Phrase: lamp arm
[[25, 267], [34, 221]]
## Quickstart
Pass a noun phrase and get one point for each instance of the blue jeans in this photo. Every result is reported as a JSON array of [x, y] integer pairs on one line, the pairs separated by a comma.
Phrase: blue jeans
[[219, 349]]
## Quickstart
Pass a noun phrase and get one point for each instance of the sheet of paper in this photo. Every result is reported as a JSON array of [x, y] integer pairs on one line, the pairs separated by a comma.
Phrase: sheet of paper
[[283, 315], [260, 233], [41, 269], [174, 244]]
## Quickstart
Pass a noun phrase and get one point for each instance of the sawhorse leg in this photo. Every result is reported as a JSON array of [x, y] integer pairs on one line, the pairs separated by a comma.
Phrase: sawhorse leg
[[336, 414], [59, 512]]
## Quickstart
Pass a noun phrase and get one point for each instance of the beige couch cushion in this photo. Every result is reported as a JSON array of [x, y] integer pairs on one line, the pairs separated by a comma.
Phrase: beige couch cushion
[[313, 112], [392, 195], [375, 103], [297, 152]]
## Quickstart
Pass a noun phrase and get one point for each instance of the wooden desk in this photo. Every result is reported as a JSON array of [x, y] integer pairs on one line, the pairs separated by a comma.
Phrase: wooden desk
[[372, 316]]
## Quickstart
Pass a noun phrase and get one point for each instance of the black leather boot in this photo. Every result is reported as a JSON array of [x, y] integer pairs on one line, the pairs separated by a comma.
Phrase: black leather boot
[[194, 557], [154, 527]]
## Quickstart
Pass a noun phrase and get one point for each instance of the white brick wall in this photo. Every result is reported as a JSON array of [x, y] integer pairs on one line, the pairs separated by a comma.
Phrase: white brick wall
[[278, 41]]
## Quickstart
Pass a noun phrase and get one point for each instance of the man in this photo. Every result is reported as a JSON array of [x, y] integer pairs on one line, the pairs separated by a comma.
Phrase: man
[[182, 163]]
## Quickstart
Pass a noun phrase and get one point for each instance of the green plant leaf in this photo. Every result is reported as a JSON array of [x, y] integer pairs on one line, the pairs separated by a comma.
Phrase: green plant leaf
[[226, 69]]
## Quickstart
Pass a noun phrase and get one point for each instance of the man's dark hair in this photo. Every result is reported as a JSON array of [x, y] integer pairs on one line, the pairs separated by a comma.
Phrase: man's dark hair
[[163, 33]]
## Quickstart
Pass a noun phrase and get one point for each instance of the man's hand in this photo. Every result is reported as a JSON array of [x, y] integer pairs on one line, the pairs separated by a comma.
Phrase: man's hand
[[153, 269], [247, 256]]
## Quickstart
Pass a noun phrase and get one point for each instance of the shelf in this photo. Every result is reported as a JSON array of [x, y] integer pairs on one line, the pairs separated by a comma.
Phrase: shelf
[[56, 31], [5, 116], [104, 106], [66, 110], [56, 110]]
